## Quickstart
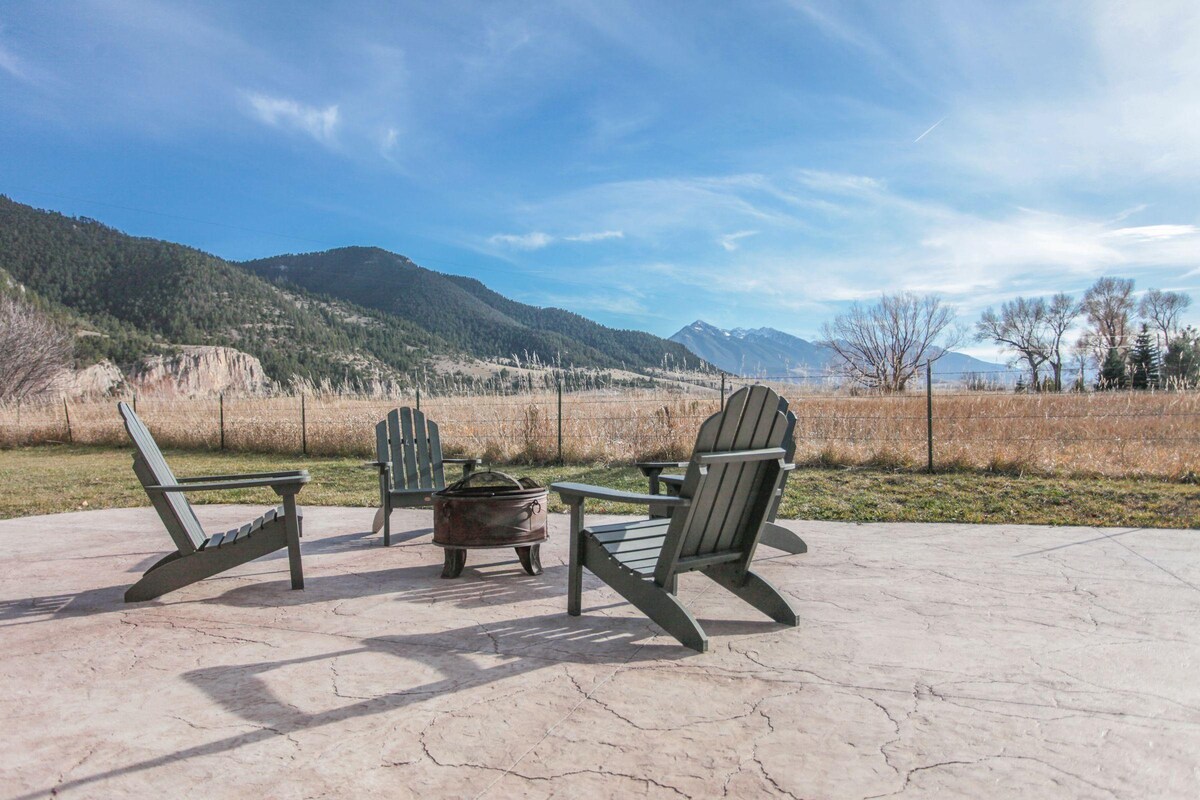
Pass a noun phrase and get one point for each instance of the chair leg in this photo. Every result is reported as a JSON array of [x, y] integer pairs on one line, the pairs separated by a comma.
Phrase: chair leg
[[575, 563], [383, 516], [781, 538], [387, 522], [655, 601], [292, 526], [754, 590]]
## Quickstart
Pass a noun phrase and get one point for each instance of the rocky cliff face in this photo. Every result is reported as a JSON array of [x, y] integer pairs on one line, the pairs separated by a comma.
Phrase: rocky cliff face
[[199, 370], [98, 380]]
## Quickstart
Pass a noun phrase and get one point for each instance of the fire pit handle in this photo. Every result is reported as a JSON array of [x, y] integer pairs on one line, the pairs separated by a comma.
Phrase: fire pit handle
[[499, 476]]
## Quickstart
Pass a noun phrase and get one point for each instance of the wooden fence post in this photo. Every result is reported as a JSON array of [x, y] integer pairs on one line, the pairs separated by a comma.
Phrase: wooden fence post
[[221, 399], [303, 425], [67, 414], [722, 391], [560, 452]]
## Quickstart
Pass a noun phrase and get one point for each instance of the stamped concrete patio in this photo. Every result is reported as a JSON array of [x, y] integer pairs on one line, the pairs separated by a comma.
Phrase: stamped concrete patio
[[931, 660]]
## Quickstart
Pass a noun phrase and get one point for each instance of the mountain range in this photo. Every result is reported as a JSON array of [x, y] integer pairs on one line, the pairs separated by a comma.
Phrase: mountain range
[[766, 352], [467, 314], [351, 316]]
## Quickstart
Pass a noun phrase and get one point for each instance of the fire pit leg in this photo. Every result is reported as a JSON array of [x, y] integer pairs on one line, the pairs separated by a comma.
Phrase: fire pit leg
[[531, 558], [456, 559]]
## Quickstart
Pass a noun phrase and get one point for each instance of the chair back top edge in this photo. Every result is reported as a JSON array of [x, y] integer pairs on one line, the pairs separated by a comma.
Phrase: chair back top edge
[[151, 468], [411, 444]]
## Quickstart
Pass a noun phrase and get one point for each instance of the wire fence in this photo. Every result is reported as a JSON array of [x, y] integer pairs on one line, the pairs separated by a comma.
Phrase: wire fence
[[1147, 433]]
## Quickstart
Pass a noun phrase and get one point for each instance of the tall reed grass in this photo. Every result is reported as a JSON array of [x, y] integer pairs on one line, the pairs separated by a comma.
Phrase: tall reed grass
[[1104, 433]]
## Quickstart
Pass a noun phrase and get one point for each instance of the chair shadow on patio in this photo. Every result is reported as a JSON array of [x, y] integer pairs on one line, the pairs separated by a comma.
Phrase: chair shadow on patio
[[93, 601], [452, 655], [487, 584]]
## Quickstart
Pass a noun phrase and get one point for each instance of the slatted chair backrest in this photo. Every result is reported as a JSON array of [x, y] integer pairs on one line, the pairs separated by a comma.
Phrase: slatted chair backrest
[[151, 468], [411, 444], [729, 502]]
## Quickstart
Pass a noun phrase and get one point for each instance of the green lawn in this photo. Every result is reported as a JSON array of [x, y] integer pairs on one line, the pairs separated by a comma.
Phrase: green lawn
[[50, 479]]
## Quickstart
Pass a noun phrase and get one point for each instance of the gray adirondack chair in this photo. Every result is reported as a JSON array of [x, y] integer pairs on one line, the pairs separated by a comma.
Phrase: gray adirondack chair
[[773, 534], [727, 492], [198, 556], [408, 450]]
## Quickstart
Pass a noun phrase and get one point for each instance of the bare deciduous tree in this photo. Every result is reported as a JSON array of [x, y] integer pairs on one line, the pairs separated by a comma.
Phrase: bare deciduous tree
[[882, 346], [1021, 326], [1034, 329], [1107, 305], [34, 351], [1161, 310], [1060, 315]]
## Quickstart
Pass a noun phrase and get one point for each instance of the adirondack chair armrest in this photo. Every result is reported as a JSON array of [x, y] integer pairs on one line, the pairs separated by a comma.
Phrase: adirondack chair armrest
[[736, 456], [647, 466], [468, 464], [573, 493], [243, 476], [653, 471], [282, 485]]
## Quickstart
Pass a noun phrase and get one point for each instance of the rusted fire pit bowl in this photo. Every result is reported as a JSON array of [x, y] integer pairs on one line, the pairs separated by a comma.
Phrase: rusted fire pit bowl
[[489, 510]]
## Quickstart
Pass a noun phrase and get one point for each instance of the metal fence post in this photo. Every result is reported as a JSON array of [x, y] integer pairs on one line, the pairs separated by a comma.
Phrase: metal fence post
[[67, 414], [929, 412], [135, 402], [221, 399], [722, 391], [303, 426], [560, 453], [418, 397]]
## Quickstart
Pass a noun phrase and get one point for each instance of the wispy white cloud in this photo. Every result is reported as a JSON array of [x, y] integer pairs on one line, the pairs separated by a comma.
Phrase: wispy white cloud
[[1155, 231], [523, 241], [319, 123], [594, 237], [537, 239], [730, 240], [12, 64], [388, 142]]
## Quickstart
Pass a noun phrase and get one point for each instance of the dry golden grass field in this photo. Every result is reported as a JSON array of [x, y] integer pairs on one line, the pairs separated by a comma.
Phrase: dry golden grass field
[[1128, 434]]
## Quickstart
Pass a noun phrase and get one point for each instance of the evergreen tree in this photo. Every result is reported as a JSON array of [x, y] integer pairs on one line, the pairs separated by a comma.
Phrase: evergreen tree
[[1112, 371], [1143, 360], [1181, 365]]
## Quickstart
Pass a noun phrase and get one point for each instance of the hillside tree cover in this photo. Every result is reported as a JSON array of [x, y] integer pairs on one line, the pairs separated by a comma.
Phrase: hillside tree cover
[[464, 312], [144, 296]]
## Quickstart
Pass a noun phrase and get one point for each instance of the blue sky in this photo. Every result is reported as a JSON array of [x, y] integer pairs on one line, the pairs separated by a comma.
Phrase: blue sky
[[644, 163]]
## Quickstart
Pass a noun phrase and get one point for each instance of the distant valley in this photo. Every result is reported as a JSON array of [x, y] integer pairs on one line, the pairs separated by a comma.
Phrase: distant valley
[[766, 352]]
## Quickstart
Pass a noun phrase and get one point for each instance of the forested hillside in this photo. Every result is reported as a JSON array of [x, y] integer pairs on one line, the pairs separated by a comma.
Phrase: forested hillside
[[145, 296], [465, 312]]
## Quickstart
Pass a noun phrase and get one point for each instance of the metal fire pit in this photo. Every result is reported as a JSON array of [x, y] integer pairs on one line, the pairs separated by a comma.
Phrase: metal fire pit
[[488, 510]]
